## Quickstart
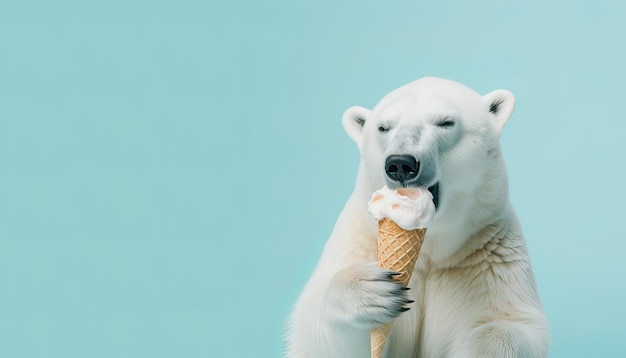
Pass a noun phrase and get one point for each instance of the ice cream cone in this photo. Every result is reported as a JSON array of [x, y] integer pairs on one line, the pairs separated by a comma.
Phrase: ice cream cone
[[397, 251]]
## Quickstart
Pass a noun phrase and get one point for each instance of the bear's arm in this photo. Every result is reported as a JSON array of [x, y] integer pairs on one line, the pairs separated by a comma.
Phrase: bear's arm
[[314, 331], [513, 323]]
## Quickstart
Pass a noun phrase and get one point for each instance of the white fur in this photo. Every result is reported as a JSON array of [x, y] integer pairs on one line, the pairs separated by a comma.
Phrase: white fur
[[473, 285]]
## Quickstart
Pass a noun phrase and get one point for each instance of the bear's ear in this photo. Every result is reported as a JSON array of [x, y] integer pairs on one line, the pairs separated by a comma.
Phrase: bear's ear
[[501, 104], [353, 121]]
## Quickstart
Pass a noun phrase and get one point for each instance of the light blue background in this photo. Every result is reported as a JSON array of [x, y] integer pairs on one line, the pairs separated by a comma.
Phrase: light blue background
[[169, 171]]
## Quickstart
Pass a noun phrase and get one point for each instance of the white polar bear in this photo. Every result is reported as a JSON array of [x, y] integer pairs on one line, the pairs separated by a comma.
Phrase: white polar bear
[[473, 287]]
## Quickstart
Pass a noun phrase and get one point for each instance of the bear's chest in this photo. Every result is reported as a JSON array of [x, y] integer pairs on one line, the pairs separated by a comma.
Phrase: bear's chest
[[448, 303]]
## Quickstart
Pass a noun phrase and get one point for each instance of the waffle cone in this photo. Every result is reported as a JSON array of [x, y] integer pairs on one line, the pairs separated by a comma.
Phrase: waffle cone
[[397, 251]]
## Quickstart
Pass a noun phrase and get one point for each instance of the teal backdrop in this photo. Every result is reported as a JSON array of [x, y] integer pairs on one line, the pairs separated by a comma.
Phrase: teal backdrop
[[170, 170]]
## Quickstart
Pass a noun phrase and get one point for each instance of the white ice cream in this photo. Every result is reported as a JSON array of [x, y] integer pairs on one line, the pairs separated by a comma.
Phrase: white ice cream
[[410, 208]]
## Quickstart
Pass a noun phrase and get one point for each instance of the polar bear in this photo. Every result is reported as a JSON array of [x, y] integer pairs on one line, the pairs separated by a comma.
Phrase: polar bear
[[472, 293]]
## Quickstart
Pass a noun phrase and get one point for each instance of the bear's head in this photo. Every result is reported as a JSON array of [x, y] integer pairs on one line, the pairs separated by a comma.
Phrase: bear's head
[[438, 134]]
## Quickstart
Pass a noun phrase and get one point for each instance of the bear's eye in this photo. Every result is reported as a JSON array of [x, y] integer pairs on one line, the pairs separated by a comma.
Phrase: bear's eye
[[383, 129], [446, 123]]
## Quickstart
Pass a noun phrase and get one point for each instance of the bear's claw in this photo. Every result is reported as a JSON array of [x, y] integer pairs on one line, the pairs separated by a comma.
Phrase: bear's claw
[[367, 295]]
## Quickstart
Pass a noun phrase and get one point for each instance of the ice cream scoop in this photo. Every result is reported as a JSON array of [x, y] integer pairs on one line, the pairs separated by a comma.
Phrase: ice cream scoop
[[410, 208]]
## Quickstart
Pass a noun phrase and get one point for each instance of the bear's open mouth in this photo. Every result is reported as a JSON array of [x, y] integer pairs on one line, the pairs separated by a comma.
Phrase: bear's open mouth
[[435, 191]]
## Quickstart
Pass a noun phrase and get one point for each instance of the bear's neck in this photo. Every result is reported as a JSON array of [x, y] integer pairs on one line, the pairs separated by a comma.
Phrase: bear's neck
[[358, 203]]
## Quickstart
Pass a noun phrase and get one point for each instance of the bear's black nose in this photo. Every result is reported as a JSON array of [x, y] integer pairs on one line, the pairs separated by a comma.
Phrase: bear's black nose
[[401, 167]]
